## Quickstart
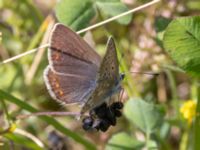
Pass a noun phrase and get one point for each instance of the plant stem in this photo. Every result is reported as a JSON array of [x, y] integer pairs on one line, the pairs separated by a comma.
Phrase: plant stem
[[8, 118], [197, 122]]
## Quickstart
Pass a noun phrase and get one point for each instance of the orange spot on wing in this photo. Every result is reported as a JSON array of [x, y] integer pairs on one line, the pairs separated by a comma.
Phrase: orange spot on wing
[[57, 85], [60, 92], [56, 56]]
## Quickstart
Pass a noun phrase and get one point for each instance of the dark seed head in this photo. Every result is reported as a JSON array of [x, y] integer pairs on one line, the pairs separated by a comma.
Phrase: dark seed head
[[101, 113], [86, 127], [101, 110], [104, 105], [110, 116], [87, 123], [117, 113], [112, 121], [96, 124], [88, 120], [104, 125], [117, 105]]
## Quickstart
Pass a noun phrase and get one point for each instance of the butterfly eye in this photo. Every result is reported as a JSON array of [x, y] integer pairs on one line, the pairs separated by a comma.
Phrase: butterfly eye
[[122, 76]]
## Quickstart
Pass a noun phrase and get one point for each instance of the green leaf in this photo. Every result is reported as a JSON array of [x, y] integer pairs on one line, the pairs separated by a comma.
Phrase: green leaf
[[113, 8], [151, 144], [161, 23], [75, 13], [182, 42], [123, 141], [146, 116], [194, 5], [49, 120]]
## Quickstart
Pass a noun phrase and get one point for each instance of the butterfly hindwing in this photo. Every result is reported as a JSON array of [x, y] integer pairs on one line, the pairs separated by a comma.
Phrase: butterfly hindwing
[[68, 89], [107, 78], [109, 68]]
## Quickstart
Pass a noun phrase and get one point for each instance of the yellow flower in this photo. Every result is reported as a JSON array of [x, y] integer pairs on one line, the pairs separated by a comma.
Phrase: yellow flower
[[12, 128], [188, 110]]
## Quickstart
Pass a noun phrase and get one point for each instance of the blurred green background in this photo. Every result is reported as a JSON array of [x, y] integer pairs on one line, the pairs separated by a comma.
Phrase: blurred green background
[[161, 112]]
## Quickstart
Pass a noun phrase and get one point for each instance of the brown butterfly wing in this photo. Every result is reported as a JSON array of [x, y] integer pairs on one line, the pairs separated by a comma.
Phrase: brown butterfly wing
[[109, 69], [71, 75], [67, 64], [108, 76], [66, 88], [64, 42]]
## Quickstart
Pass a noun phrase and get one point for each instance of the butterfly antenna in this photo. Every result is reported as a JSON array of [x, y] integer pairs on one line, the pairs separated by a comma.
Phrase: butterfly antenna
[[147, 73], [137, 72]]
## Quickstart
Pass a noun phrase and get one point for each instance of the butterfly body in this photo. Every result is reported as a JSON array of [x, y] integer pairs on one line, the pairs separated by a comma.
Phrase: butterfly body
[[103, 93], [77, 74]]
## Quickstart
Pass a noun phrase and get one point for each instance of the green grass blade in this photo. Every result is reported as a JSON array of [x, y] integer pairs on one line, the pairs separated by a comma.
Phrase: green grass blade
[[88, 145], [197, 123]]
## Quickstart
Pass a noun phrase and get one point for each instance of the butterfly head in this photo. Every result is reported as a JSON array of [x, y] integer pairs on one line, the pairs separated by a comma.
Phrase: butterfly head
[[121, 76]]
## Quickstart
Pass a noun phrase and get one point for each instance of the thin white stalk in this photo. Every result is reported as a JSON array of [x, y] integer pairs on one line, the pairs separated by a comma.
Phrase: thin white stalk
[[30, 136], [49, 114], [84, 30], [118, 16], [23, 54]]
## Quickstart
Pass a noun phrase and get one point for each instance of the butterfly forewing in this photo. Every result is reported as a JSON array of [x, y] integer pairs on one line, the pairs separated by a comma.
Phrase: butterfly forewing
[[64, 42], [63, 63], [73, 66]]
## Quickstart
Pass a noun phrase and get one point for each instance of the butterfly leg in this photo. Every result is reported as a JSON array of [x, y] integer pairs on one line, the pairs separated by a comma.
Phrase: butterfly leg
[[121, 95]]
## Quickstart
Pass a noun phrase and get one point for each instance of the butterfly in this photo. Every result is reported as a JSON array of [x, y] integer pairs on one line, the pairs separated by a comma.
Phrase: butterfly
[[77, 74]]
